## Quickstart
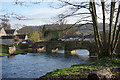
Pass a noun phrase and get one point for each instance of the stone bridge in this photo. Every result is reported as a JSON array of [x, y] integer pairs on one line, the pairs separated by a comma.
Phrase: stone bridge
[[68, 46]]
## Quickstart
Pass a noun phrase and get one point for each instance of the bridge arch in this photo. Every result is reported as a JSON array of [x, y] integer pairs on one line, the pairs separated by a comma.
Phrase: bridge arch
[[80, 52], [90, 46]]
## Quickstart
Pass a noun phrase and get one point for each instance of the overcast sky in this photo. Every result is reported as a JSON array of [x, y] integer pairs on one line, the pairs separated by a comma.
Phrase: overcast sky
[[37, 14]]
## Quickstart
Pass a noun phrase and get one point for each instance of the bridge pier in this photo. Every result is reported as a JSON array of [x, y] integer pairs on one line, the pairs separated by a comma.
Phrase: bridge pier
[[48, 50], [34, 50], [53, 46], [67, 51]]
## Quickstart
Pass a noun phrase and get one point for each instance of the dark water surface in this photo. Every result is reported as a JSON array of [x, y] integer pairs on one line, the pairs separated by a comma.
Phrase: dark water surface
[[34, 65]]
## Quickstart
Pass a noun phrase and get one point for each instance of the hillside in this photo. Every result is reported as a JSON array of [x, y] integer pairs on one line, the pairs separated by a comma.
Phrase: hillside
[[27, 30], [64, 29], [88, 28]]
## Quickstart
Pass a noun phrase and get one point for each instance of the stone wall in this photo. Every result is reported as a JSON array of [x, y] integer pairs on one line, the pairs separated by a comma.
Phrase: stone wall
[[12, 49]]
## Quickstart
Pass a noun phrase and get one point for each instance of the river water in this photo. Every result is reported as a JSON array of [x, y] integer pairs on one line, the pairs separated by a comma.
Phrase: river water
[[35, 65]]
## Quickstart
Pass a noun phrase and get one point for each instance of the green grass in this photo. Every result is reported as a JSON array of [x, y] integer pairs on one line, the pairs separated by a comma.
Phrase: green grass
[[19, 51], [3, 52], [82, 70]]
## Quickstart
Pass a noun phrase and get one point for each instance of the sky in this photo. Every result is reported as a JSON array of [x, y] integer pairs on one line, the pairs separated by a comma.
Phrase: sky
[[37, 14]]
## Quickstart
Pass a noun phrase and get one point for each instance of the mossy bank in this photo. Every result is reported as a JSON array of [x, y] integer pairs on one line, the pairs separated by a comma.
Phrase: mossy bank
[[81, 71]]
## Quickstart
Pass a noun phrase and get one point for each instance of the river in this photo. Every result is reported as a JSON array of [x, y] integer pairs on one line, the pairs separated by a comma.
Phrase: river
[[35, 65]]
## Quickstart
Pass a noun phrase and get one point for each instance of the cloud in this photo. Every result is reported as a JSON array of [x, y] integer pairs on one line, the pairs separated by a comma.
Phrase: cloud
[[40, 16], [43, 12], [46, 15]]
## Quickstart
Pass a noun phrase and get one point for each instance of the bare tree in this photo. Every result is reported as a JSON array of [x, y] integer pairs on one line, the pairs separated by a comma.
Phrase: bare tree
[[106, 44], [5, 22], [60, 19]]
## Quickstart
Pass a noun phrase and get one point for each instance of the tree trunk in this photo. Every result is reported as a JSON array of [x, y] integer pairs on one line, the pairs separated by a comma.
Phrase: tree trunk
[[115, 32], [95, 27], [110, 27], [105, 47]]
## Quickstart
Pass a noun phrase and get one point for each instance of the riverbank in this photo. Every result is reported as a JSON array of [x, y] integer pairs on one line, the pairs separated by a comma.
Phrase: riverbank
[[81, 71], [4, 52]]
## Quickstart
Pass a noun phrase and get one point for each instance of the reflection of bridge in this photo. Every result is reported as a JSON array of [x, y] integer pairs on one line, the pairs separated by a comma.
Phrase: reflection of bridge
[[68, 46]]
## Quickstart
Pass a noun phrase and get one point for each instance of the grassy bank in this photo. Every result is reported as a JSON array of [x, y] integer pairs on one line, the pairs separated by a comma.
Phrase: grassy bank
[[3, 52], [20, 51], [77, 72]]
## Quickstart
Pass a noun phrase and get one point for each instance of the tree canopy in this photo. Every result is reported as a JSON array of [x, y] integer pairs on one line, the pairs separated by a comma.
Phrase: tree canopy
[[35, 36]]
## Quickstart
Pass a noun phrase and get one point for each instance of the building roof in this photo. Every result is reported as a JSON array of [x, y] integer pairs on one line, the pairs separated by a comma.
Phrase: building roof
[[10, 31], [21, 36], [7, 37]]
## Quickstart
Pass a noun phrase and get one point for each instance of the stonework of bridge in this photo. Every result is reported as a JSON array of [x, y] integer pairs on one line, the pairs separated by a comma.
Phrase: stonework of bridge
[[73, 45], [68, 46]]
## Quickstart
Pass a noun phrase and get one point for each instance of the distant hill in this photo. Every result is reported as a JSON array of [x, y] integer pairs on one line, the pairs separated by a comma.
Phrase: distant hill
[[54, 26], [88, 28], [85, 29], [27, 30]]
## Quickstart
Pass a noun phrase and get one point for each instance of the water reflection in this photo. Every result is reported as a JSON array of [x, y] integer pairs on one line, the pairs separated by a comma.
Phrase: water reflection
[[10, 57], [82, 54], [34, 65]]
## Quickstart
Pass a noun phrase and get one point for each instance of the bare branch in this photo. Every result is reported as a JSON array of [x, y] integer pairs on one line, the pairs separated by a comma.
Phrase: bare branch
[[82, 5], [15, 16], [76, 24]]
